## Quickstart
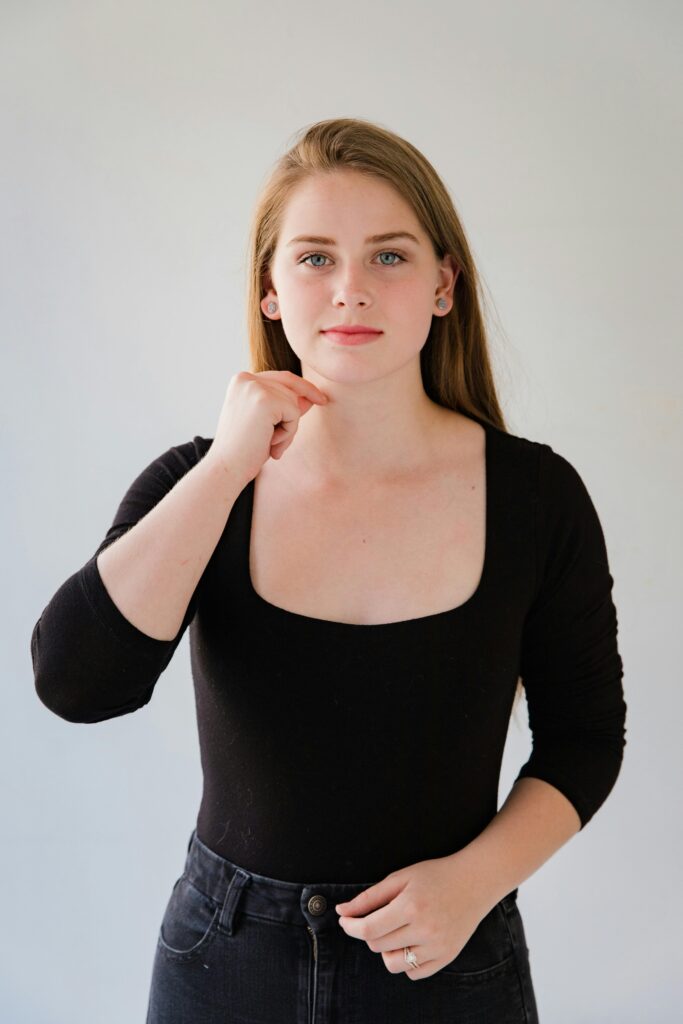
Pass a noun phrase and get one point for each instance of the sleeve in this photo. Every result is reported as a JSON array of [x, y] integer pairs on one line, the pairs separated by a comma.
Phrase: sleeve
[[570, 663], [90, 663]]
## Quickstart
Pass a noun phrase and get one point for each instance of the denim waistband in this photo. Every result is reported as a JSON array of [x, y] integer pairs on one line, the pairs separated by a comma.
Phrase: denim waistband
[[271, 899]]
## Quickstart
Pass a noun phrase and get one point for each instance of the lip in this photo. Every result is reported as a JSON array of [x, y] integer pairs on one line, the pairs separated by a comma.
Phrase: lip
[[354, 329], [352, 337]]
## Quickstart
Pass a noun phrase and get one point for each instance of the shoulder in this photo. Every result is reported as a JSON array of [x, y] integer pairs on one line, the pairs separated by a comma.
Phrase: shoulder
[[570, 548], [569, 534], [554, 477], [554, 494], [172, 464]]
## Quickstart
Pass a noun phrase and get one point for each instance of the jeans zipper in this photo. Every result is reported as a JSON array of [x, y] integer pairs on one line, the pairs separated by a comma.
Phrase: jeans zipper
[[315, 942]]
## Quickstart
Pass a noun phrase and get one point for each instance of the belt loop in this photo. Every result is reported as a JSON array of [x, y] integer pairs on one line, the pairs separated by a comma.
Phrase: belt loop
[[227, 916]]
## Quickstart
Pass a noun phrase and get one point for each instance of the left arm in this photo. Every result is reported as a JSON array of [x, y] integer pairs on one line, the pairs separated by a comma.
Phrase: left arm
[[572, 673], [533, 823], [440, 901]]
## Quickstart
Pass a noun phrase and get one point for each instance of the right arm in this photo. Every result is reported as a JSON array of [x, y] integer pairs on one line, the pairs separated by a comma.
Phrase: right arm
[[152, 570], [112, 627], [110, 630]]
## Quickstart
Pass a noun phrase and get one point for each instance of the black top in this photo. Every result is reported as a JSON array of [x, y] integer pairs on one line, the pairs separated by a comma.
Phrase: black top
[[337, 751]]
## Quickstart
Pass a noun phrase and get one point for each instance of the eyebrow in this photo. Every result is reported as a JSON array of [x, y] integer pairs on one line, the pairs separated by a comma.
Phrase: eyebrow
[[388, 236]]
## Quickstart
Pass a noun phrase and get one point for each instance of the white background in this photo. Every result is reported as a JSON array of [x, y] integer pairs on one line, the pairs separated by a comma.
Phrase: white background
[[135, 138]]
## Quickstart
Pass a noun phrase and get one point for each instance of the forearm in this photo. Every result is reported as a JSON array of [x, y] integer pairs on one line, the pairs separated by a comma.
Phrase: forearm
[[533, 823], [151, 571]]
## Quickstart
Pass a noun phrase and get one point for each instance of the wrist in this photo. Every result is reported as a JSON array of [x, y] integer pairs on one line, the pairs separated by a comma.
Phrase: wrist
[[485, 884], [229, 476]]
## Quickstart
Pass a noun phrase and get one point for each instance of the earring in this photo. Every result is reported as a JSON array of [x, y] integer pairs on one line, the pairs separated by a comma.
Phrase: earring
[[442, 303], [272, 306]]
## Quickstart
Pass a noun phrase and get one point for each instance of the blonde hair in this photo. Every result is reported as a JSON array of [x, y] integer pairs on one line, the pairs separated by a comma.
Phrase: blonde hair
[[455, 364]]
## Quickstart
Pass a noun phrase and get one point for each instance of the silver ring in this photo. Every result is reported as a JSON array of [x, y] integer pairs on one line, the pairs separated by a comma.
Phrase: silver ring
[[409, 957]]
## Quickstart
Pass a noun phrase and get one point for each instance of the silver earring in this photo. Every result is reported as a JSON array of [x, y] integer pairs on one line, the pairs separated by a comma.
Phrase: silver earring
[[442, 303], [272, 306]]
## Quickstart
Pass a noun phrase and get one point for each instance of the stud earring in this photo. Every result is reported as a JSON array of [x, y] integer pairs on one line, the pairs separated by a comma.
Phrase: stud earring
[[272, 306], [442, 303]]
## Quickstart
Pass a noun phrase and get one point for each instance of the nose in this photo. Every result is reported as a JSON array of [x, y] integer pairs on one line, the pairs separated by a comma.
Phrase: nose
[[352, 291]]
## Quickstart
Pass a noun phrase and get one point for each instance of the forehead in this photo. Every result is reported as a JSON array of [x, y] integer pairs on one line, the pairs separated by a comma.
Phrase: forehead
[[342, 204]]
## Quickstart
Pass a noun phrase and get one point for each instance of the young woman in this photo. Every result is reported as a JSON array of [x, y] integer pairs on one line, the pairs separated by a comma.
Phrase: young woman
[[362, 611]]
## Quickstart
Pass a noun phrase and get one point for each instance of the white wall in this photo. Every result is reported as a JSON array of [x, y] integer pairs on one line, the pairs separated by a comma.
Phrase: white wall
[[135, 138]]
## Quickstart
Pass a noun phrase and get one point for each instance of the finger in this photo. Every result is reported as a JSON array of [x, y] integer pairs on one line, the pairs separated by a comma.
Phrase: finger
[[304, 388], [281, 441], [380, 928], [292, 408], [385, 939], [395, 963], [279, 445], [374, 896], [280, 435]]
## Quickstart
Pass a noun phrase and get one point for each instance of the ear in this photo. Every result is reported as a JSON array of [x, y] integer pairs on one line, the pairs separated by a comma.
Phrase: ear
[[448, 272]]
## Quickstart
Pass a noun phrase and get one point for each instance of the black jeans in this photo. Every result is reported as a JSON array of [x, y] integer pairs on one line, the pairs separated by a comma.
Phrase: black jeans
[[236, 947]]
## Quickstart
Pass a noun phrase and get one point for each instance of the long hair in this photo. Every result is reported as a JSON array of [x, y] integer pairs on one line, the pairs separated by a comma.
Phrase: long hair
[[455, 364]]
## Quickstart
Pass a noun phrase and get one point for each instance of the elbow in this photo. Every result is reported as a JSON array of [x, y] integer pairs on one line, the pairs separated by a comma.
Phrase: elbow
[[81, 671], [64, 691], [68, 711], [52, 690], [62, 699], [583, 766]]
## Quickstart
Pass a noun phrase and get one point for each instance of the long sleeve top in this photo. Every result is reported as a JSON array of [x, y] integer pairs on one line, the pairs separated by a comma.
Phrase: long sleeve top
[[340, 751]]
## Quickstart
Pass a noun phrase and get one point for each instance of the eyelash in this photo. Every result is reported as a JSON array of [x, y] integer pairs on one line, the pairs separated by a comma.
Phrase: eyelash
[[390, 251]]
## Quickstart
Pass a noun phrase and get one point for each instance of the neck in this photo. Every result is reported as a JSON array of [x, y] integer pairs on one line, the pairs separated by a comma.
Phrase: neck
[[366, 433]]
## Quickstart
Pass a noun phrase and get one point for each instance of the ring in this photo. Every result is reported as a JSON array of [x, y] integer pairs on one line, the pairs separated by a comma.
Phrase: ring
[[410, 957]]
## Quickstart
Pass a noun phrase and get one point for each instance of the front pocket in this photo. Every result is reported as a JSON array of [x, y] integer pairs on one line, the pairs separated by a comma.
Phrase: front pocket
[[488, 951], [190, 922]]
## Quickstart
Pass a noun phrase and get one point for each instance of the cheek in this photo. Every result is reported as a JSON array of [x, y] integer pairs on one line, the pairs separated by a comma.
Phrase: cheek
[[410, 298], [411, 313], [304, 303], [415, 293]]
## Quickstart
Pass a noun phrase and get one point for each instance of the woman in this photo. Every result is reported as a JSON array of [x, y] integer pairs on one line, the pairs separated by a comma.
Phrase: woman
[[361, 613]]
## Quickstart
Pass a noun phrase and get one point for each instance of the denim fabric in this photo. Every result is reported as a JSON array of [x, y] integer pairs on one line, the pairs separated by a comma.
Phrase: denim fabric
[[235, 947]]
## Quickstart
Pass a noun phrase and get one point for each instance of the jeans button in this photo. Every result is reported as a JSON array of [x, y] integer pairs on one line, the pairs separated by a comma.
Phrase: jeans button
[[317, 904]]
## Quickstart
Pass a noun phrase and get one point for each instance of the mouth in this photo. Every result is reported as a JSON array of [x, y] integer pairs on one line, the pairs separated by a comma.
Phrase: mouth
[[355, 329], [351, 337]]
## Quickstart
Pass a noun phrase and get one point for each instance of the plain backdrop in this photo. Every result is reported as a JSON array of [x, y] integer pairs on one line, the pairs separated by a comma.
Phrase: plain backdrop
[[135, 139]]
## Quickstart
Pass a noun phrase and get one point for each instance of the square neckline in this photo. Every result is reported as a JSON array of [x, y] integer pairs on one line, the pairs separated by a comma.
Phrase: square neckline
[[335, 624]]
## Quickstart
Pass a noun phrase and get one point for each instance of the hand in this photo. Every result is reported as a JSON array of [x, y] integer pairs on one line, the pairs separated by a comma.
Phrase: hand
[[259, 419], [433, 907]]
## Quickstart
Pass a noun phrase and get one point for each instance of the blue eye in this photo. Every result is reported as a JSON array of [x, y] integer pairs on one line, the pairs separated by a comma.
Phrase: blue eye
[[388, 252], [305, 258], [385, 252]]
